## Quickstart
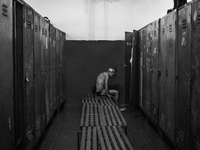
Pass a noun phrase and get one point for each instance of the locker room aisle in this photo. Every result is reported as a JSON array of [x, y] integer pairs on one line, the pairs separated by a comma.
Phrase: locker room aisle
[[62, 132]]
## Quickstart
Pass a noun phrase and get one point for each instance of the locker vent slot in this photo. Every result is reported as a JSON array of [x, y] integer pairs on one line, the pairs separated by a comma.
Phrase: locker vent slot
[[36, 28], [47, 112], [43, 117], [169, 125], [163, 117], [197, 146], [43, 31], [170, 28], [155, 110], [154, 33], [163, 31], [181, 135], [28, 23], [184, 23], [37, 125], [198, 19], [4, 10]]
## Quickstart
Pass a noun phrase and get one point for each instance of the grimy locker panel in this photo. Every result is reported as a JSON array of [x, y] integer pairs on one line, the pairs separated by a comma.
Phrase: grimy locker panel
[[147, 77], [61, 67], [154, 46], [167, 74], [142, 40], [64, 67], [134, 82], [37, 77], [127, 65], [47, 75], [52, 45], [42, 72], [20, 138], [195, 85], [6, 76], [28, 75], [182, 107]]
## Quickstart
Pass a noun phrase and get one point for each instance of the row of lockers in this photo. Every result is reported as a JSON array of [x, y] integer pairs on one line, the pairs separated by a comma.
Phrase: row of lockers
[[170, 74], [33, 76]]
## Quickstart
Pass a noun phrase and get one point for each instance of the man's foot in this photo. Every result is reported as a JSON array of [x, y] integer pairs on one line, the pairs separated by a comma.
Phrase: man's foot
[[122, 109]]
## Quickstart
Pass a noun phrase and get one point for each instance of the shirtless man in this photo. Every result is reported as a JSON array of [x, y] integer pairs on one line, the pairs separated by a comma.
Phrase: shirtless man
[[177, 4], [102, 84]]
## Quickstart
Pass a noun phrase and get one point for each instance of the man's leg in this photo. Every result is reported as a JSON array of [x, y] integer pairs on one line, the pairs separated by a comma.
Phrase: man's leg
[[115, 93]]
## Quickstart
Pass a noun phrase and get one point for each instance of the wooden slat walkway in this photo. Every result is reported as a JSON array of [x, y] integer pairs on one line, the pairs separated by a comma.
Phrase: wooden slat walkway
[[101, 100], [98, 115], [104, 138]]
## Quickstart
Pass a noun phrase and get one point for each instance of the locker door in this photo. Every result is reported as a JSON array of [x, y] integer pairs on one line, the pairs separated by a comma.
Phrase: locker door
[[47, 75], [195, 86], [183, 79], [52, 69], [134, 83], [167, 76], [28, 75], [6, 76], [143, 67], [127, 65], [154, 71], [42, 72], [148, 58], [37, 77]]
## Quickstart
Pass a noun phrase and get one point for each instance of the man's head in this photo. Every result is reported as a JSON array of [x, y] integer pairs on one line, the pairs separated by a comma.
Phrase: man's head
[[112, 71]]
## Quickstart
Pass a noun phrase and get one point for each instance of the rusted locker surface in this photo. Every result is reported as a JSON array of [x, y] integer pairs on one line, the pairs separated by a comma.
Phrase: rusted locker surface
[[167, 67], [28, 75], [142, 42], [6, 76], [47, 74], [148, 61], [134, 82], [182, 106], [154, 35], [57, 56], [42, 72], [52, 69], [37, 77], [195, 82], [127, 65]]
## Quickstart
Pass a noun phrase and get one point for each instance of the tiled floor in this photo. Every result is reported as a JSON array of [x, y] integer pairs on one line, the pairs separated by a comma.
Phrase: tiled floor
[[62, 133]]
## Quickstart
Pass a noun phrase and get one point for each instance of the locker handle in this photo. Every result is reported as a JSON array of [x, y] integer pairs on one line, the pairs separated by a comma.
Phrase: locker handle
[[151, 70], [27, 80]]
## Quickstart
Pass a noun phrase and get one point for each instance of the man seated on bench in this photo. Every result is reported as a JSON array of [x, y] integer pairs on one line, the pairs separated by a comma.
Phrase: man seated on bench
[[102, 85]]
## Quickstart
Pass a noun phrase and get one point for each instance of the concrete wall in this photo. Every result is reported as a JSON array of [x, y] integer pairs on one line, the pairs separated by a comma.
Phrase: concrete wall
[[87, 59]]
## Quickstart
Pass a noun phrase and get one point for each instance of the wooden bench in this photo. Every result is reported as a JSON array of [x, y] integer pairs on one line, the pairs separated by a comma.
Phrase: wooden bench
[[104, 138], [101, 100], [94, 114]]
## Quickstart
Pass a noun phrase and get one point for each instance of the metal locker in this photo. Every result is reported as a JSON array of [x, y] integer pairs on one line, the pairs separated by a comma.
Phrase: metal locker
[[42, 72], [195, 76], [142, 39], [47, 75], [127, 65], [182, 106], [167, 67], [64, 66], [148, 61], [154, 35], [61, 68], [57, 69], [52, 69], [134, 81], [6, 76], [37, 77], [28, 75]]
